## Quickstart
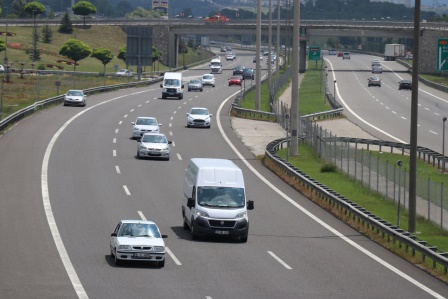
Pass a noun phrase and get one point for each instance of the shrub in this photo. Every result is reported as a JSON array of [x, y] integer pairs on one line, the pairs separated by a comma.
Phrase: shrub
[[41, 67], [328, 167]]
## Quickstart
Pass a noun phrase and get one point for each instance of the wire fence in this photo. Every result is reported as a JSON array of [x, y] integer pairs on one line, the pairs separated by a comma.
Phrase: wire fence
[[388, 178]]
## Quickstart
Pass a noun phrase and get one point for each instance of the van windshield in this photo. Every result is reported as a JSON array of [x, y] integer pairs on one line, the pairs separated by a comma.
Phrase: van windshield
[[172, 82], [221, 197]]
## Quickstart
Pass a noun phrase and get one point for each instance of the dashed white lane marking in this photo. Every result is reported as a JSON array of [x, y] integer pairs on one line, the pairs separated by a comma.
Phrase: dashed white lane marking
[[120, 122], [279, 260], [171, 254], [114, 140], [435, 133], [116, 130], [117, 169], [114, 153], [126, 190], [125, 116], [179, 156]]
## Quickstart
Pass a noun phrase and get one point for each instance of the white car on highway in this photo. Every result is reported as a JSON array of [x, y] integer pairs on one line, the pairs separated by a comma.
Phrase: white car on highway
[[208, 79], [144, 124], [75, 98], [154, 145], [137, 240], [198, 117]]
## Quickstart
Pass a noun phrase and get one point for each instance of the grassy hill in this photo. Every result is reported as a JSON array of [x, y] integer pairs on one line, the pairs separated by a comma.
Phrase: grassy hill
[[110, 37]]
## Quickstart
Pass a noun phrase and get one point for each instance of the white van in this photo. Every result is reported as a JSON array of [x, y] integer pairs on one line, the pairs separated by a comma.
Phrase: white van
[[214, 199], [346, 55], [216, 66], [172, 85]]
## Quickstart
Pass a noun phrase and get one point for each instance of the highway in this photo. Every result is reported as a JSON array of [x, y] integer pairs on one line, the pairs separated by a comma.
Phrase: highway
[[70, 174], [385, 111]]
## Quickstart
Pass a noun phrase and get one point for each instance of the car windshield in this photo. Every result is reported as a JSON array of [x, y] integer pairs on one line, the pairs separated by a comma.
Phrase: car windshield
[[146, 122], [208, 77], [221, 197], [139, 230], [199, 111], [195, 82], [74, 93], [154, 139]]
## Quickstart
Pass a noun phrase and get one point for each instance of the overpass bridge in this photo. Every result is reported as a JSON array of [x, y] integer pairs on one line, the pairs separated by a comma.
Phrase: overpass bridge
[[174, 28]]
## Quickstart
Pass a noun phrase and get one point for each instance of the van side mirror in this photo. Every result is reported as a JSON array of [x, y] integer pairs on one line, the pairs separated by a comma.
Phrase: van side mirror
[[113, 234], [190, 203], [161, 85], [164, 236], [182, 86], [250, 204]]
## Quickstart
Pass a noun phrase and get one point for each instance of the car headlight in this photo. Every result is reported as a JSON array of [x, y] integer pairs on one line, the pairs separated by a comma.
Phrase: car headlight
[[158, 248], [166, 149], [207, 119], [136, 129], [124, 247], [142, 147], [241, 215], [201, 213], [190, 118]]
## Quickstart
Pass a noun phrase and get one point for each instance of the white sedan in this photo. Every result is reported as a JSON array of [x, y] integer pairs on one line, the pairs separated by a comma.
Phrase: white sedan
[[144, 124], [75, 98], [198, 117], [208, 79], [137, 240], [124, 73], [154, 145]]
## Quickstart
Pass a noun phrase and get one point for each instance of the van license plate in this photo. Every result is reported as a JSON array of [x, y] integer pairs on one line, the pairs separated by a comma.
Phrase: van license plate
[[221, 232]]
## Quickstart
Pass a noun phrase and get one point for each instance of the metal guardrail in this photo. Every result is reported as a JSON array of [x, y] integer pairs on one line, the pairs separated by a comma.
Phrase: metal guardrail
[[356, 212], [25, 112]]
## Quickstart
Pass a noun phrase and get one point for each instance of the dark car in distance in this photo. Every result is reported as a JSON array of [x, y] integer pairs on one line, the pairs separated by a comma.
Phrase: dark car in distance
[[238, 70], [248, 73], [405, 84]]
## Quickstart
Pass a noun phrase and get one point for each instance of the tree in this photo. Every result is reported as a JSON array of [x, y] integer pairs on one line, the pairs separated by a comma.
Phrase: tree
[[141, 13], [47, 34], [66, 24], [122, 54], [84, 8], [75, 50], [103, 55], [123, 7], [2, 45], [18, 7], [34, 9]]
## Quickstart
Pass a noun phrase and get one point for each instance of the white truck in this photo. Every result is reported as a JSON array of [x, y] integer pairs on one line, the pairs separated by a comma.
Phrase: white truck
[[393, 51], [216, 66], [214, 199]]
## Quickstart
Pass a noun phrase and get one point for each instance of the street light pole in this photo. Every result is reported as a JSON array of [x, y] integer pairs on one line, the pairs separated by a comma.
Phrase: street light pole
[[399, 163], [5, 60], [443, 145], [34, 36]]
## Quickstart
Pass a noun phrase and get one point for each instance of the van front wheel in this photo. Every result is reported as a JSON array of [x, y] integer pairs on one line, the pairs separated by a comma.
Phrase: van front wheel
[[193, 234]]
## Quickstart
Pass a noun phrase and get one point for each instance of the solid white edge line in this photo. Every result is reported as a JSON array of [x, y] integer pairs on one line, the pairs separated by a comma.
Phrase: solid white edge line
[[353, 112], [279, 260], [71, 272], [313, 217]]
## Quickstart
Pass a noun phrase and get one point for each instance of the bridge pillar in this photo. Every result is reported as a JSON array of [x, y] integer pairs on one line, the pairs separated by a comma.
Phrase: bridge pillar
[[302, 57], [173, 49], [428, 50]]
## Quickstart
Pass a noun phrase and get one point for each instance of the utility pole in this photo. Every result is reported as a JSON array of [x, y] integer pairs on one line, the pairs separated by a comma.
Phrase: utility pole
[[295, 81], [414, 121], [257, 70]]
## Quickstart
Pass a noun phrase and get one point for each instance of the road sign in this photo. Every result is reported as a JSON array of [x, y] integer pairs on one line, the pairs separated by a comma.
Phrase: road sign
[[442, 54], [314, 53]]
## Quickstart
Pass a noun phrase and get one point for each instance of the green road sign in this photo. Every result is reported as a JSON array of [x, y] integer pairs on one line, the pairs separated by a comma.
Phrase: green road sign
[[314, 53], [442, 54]]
